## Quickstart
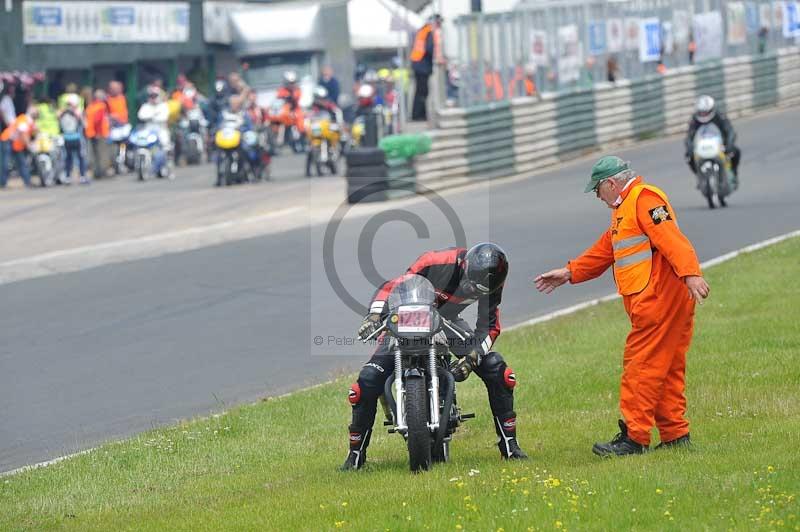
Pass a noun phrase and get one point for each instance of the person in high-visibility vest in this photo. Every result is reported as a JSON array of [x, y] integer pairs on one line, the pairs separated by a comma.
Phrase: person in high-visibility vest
[[18, 136], [426, 47], [658, 275], [525, 79]]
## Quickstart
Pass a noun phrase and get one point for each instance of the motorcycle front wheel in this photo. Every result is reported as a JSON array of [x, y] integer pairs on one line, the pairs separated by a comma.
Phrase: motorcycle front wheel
[[419, 437]]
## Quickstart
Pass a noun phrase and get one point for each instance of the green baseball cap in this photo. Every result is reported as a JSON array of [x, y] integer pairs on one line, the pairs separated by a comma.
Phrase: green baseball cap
[[607, 166]]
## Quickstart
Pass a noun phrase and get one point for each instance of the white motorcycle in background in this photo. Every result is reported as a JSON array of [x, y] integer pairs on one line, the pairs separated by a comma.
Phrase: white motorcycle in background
[[713, 165]]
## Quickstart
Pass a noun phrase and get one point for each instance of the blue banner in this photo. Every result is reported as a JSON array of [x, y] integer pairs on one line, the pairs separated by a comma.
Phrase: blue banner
[[121, 16], [47, 16], [751, 17], [597, 37]]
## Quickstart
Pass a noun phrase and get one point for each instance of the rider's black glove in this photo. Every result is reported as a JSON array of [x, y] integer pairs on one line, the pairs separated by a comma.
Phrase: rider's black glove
[[462, 367], [371, 323]]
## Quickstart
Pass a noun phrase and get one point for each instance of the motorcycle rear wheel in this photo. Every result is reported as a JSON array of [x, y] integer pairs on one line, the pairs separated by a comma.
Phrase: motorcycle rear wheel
[[419, 437]]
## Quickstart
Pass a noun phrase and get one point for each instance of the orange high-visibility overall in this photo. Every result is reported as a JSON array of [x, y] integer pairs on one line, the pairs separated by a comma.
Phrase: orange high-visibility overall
[[650, 257]]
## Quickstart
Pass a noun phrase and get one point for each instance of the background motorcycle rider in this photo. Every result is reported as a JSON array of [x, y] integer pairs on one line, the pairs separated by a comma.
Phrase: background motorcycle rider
[[290, 93], [461, 277], [156, 113], [706, 112], [322, 104]]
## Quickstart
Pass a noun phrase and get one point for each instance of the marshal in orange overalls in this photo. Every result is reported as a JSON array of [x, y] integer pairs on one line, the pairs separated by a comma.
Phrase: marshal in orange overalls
[[650, 257]]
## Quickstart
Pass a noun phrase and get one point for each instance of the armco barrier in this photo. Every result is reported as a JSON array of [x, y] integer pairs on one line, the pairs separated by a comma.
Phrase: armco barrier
[[506, 139]]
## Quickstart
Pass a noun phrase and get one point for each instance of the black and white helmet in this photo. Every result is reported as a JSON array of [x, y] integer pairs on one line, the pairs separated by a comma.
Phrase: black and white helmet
[[290, 77], [705, 109], [320, 92]]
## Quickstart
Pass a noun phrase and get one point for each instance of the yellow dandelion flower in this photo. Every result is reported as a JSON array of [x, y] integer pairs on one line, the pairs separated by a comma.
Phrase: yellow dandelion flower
[[459, 527], [338, 524], [659, 491], [559, 524], [344, 504], [526, 492]]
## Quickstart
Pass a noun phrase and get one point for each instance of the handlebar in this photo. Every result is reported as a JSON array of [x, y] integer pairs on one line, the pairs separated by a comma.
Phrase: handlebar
[[455, 329]]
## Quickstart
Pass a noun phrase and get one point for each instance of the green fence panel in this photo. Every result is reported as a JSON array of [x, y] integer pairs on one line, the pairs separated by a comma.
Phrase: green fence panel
[[490, 141], [647, 105], [710, 79], [575, 121], [765, 81]]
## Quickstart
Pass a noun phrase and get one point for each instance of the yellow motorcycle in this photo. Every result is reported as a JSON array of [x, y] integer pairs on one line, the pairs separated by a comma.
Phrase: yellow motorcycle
[[324, 137], [227, 140]]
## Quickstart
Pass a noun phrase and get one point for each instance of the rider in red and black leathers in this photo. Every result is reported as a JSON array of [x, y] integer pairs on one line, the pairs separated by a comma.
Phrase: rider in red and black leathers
[[456, 289]]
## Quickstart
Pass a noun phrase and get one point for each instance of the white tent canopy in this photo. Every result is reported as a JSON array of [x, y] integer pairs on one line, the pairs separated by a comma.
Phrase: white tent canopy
[[380, 24], [276, 28]]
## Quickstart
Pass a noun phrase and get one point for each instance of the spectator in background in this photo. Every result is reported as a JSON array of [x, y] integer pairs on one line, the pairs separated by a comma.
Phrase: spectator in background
[[331, 84], [71, 89], [692, 48], [426, 45], [236, 84], [18, 135], [524, 81], [97, 131], [70, 121], [493, 83], [612, 69], [762, 39], [48, 118], [117, 104], [8, 114]]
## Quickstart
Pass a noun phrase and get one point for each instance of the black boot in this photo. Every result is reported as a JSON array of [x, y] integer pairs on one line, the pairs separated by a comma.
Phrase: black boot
[[684, 441], [357, 456], [506, 429], [621, 445]]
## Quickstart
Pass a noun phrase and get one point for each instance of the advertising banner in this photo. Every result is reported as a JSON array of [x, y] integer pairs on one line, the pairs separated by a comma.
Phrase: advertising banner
[[539, 48], [631, 34], [649, 39], [615, 35], [96, 22], [708, 35], [737, 27], [569, 53], [596, 31]]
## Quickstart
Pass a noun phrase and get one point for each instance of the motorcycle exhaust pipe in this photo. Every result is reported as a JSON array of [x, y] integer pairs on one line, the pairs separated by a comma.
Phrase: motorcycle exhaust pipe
[[449, 394]]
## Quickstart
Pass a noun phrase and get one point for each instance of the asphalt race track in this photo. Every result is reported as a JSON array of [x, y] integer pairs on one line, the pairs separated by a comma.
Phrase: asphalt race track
[[108, 352]]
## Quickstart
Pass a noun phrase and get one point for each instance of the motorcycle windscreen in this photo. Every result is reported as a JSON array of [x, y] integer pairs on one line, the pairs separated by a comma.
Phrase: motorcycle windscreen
[[411, 289]]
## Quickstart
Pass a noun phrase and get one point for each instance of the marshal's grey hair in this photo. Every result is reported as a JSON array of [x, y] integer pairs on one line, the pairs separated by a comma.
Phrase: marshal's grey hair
[[623, 177]]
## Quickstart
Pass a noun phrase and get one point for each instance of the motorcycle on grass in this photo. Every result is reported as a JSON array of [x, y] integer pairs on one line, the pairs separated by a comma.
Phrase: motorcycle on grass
[[423, 408]]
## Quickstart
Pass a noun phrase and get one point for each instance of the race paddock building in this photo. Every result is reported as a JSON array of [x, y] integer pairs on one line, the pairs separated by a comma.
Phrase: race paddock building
[[90, 43]]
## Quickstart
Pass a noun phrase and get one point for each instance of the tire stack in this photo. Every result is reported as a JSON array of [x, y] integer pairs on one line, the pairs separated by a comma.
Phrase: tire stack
[[371, 177]]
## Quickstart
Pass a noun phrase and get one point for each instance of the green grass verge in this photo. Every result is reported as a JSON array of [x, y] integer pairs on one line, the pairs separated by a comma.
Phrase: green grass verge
[[272, 466]]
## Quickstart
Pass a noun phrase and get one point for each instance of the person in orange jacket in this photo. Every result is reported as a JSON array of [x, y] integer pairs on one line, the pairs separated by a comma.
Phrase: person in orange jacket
[[658, 275], [18, 135], [117, 104], [97, 130]]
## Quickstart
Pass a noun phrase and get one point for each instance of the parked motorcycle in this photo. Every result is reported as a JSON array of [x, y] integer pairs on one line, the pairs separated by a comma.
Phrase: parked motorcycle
[[712, 164], [227, 141], [423, 408], [46, 154], [256, 154], [150, 158], [194, 129], [283, 130], [118, 138], [323, 139]]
